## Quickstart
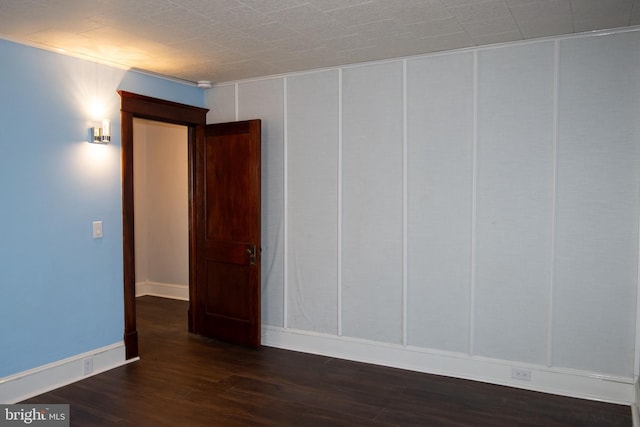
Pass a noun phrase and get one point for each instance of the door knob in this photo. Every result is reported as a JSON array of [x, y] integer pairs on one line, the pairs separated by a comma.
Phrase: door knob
[[251, 251]]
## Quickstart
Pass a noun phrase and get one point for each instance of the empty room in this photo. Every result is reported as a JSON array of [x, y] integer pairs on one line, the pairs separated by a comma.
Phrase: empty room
[[416, 212]]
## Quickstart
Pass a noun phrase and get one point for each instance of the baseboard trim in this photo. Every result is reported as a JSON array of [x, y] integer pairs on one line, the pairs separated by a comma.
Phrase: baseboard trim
[[565, 382], [24, 385], [164, 290], [635, 413]]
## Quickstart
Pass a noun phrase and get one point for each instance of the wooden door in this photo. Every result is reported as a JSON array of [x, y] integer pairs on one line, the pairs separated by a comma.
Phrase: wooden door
[[227, 198]]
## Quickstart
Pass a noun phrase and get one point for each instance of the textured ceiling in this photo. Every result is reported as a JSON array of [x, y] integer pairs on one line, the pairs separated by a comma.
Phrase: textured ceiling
[[223, 40]]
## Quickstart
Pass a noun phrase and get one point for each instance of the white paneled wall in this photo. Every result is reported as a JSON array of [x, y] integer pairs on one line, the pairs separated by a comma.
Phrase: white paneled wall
[[459, 213], [372, 202], [224, 109], [440, 199], [514, 201], [312, 162], [597, 204]]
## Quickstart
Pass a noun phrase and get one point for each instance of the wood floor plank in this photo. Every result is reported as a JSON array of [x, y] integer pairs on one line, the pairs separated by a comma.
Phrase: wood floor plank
[[184, 380]]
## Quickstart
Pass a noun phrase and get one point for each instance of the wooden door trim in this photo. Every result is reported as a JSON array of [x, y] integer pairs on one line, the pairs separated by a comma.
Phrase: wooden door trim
[[144, 107]]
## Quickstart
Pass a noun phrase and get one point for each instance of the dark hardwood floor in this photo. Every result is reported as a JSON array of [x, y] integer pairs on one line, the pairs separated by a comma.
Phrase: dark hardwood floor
[[184, 380]]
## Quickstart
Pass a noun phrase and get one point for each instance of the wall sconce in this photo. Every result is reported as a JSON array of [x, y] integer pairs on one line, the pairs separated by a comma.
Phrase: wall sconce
[[101, 135]]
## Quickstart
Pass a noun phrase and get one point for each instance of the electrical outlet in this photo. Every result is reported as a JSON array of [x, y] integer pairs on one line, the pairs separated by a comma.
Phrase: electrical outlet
[[521, 374], [87, 366]]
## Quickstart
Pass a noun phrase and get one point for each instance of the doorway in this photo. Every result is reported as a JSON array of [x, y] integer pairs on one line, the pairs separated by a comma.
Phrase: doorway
[[161, 208], [142, 107]]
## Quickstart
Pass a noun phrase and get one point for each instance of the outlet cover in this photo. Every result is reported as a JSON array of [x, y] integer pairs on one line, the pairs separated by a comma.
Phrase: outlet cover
[[87, 366], [521, 374]]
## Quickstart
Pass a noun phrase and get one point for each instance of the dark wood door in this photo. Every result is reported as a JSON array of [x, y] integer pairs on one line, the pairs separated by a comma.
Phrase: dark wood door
[[227, 184]]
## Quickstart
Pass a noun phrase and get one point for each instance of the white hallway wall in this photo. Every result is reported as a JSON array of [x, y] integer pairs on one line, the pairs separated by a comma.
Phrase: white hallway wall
[[458, 213], [161, 209]]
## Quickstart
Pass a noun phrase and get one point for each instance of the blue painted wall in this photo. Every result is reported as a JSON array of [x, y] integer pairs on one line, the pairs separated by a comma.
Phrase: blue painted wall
[[60, 290]]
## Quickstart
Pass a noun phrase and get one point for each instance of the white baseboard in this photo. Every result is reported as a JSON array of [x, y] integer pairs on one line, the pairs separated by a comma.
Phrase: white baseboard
[[635, 414], [26, 384], [565, 382], [164, 290]]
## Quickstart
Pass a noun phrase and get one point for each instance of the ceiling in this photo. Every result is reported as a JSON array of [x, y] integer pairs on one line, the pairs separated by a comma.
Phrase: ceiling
[[224, 40]]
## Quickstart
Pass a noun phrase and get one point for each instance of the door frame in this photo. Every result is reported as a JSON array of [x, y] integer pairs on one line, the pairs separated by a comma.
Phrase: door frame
[[132, 106]]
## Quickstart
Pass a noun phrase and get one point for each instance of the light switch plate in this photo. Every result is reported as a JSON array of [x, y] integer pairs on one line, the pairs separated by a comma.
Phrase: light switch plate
[[97, 229]]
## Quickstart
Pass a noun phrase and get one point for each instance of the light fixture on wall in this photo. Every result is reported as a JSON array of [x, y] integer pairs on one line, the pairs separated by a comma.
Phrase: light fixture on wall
[[101, 135]]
